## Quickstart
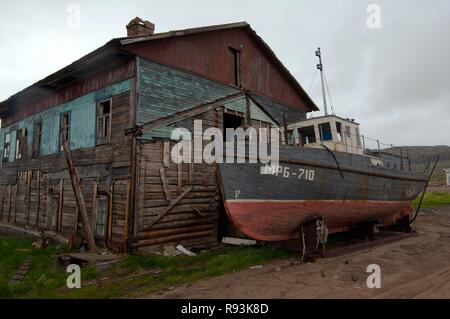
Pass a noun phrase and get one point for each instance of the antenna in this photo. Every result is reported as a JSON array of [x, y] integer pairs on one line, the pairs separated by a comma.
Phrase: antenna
[[320, 67]]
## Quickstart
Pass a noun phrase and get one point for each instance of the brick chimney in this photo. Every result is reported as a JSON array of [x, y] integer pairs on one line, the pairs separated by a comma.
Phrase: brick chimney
[[140, 28]]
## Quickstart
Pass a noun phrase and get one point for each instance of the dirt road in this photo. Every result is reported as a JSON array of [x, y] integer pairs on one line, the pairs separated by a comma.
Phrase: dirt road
[[417, 266]]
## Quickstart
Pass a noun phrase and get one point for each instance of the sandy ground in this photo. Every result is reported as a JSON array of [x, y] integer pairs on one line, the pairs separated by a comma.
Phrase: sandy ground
[[416, 266]]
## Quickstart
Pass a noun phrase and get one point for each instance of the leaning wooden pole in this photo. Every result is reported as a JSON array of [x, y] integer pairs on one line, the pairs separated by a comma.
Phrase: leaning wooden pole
[[79, 199]]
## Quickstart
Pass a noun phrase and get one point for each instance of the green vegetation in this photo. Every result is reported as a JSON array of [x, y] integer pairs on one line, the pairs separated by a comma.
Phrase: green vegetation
[[47, 279], [432, 199]]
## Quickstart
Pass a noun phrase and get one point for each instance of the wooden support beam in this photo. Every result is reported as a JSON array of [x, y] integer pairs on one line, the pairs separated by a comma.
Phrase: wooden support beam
[[110, 213], [94, 206], [9, 204], [179, 178], [60, 204], [38, 198], [29, 176], [165, 186], [182, 115], [1, 207], [127, 211], [168, 208], [166, 154], [79, 198]]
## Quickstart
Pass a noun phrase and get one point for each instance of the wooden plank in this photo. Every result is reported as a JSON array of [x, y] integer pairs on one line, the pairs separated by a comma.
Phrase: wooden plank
[[79, 198], [60, 204], [94, 206], [180, 178], [38, 198], [168, 208], [162, 174], [127, 210], [166, 153], [110, 212], [9, 204], [29, 176]]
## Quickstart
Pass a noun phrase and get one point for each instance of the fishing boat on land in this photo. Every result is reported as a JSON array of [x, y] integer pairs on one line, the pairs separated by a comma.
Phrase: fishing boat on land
[[325, 173]]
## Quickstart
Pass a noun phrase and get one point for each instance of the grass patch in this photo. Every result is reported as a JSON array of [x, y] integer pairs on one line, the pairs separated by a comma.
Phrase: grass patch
[[432, 199], [46, 279]]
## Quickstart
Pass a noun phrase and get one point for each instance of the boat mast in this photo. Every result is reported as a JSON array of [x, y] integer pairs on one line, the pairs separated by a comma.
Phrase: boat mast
[[320, 67]]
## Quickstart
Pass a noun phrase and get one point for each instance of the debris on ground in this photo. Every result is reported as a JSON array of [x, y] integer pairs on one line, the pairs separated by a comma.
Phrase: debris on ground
[[89, 259], [42, 243], [238, 241], [185, 251], [257, 267], [104, 280]]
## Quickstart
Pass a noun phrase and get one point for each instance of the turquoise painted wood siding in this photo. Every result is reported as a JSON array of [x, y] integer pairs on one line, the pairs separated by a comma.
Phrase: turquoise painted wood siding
[[277, 110], [82, 122], [164, 91]]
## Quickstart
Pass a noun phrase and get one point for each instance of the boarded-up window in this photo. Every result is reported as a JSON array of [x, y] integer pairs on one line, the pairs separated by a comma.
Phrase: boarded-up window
[[64, 135], [37, 139], [104, 122], [101, 216], [7, 147]]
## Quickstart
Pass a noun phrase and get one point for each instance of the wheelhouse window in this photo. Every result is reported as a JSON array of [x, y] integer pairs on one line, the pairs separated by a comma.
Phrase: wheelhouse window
[[237, 66], [325, 132], [308, 135], [340, 135], [37, 132], [6, 147], [64, 132], [104, 111]]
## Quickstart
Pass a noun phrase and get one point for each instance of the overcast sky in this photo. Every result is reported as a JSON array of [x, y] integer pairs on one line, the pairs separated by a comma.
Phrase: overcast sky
[[394, 80]]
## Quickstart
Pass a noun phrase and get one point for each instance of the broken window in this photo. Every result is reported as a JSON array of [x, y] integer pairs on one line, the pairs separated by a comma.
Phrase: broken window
[[101, 216], [339, 131], [237, 66], [64, 135], [37, 139], [325, 132], [21, 142], [7, 147], [307, 134], [104, 122]]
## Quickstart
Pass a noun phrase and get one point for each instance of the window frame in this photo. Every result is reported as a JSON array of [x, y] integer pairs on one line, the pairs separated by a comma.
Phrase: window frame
[[103, 140], [21, 134], [61, 140], [6, 148]]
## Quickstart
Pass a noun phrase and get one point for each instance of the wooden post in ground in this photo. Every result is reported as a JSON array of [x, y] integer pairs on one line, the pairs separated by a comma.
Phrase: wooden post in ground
[[79, 199]]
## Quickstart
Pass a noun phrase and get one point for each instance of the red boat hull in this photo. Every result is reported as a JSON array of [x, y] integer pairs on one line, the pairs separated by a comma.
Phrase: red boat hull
[[275, 220]]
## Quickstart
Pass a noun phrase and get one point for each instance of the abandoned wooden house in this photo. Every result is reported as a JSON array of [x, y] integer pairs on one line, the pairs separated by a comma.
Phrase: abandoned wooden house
[[116, 107]]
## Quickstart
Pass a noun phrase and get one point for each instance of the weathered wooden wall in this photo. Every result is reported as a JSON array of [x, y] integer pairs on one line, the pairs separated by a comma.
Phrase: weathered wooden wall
[[193, 220], [31, 189], [208, 54]]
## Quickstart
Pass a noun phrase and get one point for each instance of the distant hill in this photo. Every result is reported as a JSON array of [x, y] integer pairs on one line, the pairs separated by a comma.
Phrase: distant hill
[[420, 156]]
